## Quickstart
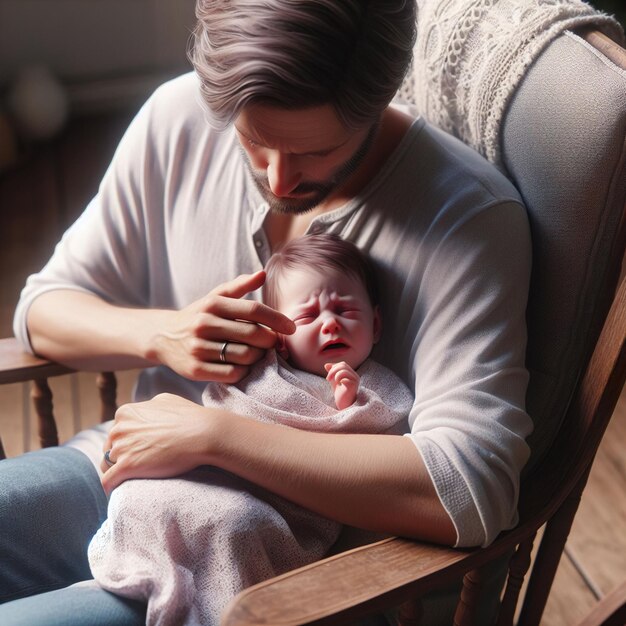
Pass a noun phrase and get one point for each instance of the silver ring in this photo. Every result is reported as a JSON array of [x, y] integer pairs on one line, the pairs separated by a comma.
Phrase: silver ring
[[223, 352], [107, 459]]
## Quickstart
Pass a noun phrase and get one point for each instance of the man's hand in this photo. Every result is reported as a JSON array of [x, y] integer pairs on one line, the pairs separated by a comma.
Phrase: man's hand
[[344, 382], [160, 438], [192, 339]]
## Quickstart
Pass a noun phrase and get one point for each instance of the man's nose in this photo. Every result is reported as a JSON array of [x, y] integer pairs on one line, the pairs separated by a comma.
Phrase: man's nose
[[282, 175]]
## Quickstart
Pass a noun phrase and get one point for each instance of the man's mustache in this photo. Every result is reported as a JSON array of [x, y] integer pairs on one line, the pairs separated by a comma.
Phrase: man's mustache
[[302, 188]]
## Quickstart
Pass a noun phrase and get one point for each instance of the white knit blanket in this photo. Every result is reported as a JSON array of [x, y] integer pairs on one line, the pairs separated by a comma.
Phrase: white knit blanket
[[471, 54], [188, 545], [277, 393]]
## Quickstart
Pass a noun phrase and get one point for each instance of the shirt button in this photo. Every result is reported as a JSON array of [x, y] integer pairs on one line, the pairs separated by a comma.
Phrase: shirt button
[[258, 243], [263, 207]]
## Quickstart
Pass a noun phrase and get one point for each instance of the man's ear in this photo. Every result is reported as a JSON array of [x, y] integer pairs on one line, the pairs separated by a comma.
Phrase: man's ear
[[281, 347], [378, 324]]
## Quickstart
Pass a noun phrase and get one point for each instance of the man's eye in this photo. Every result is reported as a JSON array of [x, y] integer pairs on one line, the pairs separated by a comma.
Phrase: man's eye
[[252, 143]]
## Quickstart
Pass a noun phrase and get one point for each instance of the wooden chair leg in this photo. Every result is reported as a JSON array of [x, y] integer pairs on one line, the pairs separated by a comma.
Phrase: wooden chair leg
[[42, 399], [518, 566], [548, 556], [107, 387], [410, 613], [467, 608]]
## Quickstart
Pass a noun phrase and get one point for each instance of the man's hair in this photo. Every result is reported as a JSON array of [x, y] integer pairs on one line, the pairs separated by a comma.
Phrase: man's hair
[[318, 253], [297, 54]]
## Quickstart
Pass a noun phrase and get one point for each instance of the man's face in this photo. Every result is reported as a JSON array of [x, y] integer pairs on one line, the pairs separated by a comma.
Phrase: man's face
[[299, 158], [335, 320]]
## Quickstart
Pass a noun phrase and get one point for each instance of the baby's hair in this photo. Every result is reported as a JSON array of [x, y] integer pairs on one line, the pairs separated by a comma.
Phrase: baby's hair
[[318, 253]]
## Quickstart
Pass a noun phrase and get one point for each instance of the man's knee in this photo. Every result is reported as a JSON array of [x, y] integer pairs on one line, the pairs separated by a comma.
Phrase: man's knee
[[51, 504], [75, 606]]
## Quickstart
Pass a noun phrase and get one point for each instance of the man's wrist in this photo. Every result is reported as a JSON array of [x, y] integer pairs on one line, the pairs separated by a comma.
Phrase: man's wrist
[[151, 335], [215, 444]]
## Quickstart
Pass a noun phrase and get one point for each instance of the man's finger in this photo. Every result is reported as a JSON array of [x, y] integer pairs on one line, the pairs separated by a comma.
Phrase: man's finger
[[255, 312], [255, 335], [218, 372], [240, 286], [235, 353], [112, 479]]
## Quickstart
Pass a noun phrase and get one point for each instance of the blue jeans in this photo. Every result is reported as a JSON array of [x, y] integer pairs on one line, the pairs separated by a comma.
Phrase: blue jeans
[[51, 504]]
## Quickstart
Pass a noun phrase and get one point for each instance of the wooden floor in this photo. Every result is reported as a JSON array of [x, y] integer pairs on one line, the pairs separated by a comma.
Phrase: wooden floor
[[49, 187]]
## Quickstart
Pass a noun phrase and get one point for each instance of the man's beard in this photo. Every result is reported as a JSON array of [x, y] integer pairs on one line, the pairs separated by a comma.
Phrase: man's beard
[[319, 190]]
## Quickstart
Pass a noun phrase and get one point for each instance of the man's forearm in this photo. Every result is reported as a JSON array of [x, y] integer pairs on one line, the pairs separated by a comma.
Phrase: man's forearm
[[82, 331], [378, 482]]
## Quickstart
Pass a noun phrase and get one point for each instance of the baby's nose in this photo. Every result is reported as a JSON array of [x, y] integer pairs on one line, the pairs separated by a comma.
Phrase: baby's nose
[[330, 324]]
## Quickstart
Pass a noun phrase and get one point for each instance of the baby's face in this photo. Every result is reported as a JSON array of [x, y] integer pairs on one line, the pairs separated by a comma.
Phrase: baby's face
[[334, 319]]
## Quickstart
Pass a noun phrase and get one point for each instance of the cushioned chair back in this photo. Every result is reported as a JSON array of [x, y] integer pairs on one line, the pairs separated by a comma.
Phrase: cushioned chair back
[[564, 138], [562, 144]]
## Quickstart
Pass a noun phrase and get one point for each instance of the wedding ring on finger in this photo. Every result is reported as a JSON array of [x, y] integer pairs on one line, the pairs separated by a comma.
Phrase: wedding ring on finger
[[223, 352], [107, 458]]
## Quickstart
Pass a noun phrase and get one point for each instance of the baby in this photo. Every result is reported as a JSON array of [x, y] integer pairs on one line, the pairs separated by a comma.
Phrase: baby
[[187, 545], [326, 286]]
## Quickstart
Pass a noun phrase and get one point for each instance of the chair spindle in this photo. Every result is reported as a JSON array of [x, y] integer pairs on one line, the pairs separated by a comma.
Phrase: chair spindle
[[467, 608], [548, 556], [42, 400], [518, 566], [107, 387], [410, 613]]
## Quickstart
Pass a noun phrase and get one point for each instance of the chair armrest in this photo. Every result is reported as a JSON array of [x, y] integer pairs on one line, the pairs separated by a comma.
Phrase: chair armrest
[[17, 365], [352, 584]]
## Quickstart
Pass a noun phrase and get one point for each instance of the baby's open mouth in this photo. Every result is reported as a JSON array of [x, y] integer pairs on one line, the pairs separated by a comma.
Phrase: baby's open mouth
[[334, 346]]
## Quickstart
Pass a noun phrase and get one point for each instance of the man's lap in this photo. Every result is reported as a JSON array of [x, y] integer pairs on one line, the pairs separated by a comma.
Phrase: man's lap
[[51, 504], [90, 442], [84, 604]]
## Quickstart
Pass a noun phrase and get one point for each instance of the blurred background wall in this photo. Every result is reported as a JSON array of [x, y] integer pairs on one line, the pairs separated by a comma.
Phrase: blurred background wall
[[613, 7], [73, 73], [100, 54], [103, 52], [80, 38]]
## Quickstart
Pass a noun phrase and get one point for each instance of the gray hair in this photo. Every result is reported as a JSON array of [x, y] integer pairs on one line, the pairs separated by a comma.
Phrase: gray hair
[[296, 54]]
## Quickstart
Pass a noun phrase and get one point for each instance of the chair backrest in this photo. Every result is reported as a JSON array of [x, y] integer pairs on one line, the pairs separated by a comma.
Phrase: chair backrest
[[562, 142]]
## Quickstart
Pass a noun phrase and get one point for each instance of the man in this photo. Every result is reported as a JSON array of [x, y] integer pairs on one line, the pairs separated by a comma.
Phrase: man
[[307, 142]]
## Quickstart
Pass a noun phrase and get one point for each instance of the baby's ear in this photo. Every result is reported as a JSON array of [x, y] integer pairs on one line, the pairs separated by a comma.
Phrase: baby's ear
[[378, 324], [281, 347]]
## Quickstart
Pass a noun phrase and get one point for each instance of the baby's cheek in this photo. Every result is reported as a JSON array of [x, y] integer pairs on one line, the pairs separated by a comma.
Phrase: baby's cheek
[[281, 347]]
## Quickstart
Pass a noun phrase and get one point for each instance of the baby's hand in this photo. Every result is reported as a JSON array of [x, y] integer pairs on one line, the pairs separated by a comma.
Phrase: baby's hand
[[344, 382]]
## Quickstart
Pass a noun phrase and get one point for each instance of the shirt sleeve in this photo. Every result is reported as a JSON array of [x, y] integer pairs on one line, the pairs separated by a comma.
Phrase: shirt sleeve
[[104, 251], [468, 420]]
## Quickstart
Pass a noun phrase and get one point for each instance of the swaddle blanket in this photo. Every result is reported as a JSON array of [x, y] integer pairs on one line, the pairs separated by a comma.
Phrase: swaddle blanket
[[187, 545], [470, 56], [275, 392]]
